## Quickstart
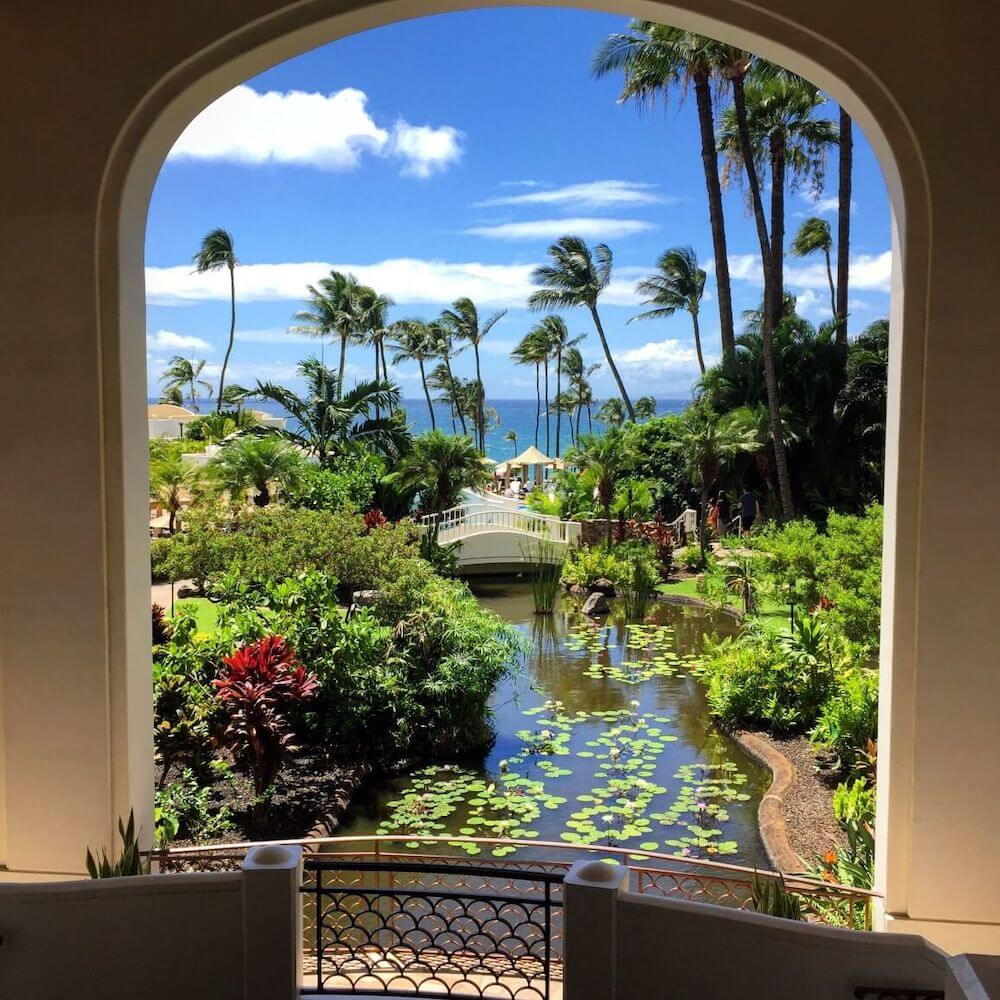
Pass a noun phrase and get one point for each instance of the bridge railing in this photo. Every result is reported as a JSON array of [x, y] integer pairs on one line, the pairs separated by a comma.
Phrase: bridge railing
[[465, 520]]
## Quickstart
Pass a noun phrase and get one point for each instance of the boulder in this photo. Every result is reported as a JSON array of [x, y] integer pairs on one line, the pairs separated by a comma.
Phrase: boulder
[[596, 606], [186, 589], [365, 598], [602, 586]]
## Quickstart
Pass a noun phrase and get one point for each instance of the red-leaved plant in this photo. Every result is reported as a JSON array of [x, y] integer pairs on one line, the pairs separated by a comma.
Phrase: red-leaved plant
[[375, 519], [260, 686]]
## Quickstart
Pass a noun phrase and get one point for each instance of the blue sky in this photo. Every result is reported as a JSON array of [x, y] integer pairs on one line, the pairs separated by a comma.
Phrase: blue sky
[[439, 157]]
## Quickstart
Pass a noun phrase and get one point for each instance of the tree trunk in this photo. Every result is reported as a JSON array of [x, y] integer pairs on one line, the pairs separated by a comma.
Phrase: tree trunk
[[833, 295], [538, 401], [778, 154], [579, 411], [710, 164], [480, 401], [607, 525], [232, 336], [385, 366], [697, 342], [454, 397], [846, 160], [590, 419], [263, 498], [767, 320], [427, 393], [612, 365], [343, 362], [548, 422], [378, 412], [558, 399]]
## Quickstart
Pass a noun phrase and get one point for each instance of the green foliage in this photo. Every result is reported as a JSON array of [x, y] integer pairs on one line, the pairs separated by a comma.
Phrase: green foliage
[[848, 721], [638, 583], [587, 564], [652, 456], [545, 560], [184, 808], [169, 449], [770, 896], [274, 543], [215, 427], [439, 467], [128, 863], [633, 500], [547, 504], [348, 483], [692, 559], [854, 807]]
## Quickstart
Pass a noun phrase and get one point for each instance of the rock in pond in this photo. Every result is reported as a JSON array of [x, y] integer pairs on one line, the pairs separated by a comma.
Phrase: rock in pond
[[596, 605], [602, 586]]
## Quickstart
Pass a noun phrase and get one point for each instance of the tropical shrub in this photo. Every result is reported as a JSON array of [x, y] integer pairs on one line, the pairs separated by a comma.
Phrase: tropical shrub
[[547, 504], [184, 808], [692, 559], [160, 629], [261, 687], [348, 483], [651, 455], [129, 862], [848, 721], [586, 565]]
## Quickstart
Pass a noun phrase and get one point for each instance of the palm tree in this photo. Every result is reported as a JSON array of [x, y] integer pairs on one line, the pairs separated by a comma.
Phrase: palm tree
[[706, 442], [173, 394], [771, 121], [235, 396], [332, 310], [845, 166], [444, 348], [511, 436], [327, 422], [463, 318], [439, 467], [656, 58], [533, 350], [171, 481], [576, 277], [556, 334], [645, 408], [413, 341], [578, 375], [216, 252], [677, 284], [182, 374], [814, 234], [372, 322], [612, 413], [262, 464], [602, 460]]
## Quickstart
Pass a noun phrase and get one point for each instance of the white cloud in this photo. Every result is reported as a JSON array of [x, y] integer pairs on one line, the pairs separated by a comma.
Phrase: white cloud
[[660, 357], [524, 184], [328, 131], [276, 335], [829, 206], [868, 272], [811, 305], [425, 150], [592, 194], [409, 281], [167, 340], [549, 229]]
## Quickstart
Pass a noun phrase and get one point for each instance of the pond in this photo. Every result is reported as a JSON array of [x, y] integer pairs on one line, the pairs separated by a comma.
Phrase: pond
[[603, 737]]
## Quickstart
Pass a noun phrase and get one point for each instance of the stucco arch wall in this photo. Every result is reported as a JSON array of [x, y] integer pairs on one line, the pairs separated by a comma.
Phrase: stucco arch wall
[[84, 147]]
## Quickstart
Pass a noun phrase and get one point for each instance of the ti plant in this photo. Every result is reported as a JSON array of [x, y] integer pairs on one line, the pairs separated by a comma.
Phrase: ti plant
[[130, 862], [772, 898]]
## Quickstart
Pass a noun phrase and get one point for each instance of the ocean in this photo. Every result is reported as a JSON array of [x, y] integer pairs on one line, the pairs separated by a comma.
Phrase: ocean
[[517, 415]]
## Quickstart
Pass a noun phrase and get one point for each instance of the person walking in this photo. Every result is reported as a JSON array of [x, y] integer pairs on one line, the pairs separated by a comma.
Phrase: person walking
[[724, 514], [713, 518], [749, 509]]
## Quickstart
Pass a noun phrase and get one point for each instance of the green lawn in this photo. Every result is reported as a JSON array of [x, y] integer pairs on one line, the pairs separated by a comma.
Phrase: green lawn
[[773, 615], [205, 612]]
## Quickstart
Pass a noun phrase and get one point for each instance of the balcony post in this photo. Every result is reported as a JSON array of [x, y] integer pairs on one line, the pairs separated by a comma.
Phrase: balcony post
[[590, 920], [272, 923]]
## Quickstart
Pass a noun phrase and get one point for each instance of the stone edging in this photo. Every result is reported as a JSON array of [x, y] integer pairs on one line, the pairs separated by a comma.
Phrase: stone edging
[[326, 824], [697, 602], [770, 812]]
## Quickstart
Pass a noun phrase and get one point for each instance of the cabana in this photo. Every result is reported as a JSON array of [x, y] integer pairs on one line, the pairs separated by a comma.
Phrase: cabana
[[532, 457]]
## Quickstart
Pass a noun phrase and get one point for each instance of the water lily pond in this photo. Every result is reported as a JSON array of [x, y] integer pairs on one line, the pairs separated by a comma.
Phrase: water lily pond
[[603, 738]]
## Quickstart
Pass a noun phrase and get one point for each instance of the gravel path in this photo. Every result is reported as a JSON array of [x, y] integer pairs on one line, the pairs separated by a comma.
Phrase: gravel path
[[808, 803]]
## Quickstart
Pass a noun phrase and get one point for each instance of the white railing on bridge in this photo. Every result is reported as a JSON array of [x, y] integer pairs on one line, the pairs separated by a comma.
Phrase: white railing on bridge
[[463, 520]]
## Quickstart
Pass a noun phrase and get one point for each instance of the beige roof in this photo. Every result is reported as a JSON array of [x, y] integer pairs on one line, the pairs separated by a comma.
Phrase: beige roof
[[487, 461], [532, 456], [501, 469], [168, 411]]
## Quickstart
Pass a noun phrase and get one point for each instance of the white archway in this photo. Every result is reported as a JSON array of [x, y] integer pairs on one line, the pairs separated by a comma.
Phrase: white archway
[[192, 57]]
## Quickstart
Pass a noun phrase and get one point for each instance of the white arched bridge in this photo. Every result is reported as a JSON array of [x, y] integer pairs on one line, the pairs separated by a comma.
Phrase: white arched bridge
[[495, 538]]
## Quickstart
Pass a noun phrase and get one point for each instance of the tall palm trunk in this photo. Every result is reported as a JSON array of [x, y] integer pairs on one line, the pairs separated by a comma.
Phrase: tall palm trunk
[[612, 365], [480, 403], [548, 422], [846, 160], [697, 341], [833, 294], [378, 372], [538, 400], [590, 419], [344, 334], [427, 393], [769, 310], [710, 164], [232, 335], [778, 154], [558, 399], [385, 366], [579, 411], [454, 397]]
